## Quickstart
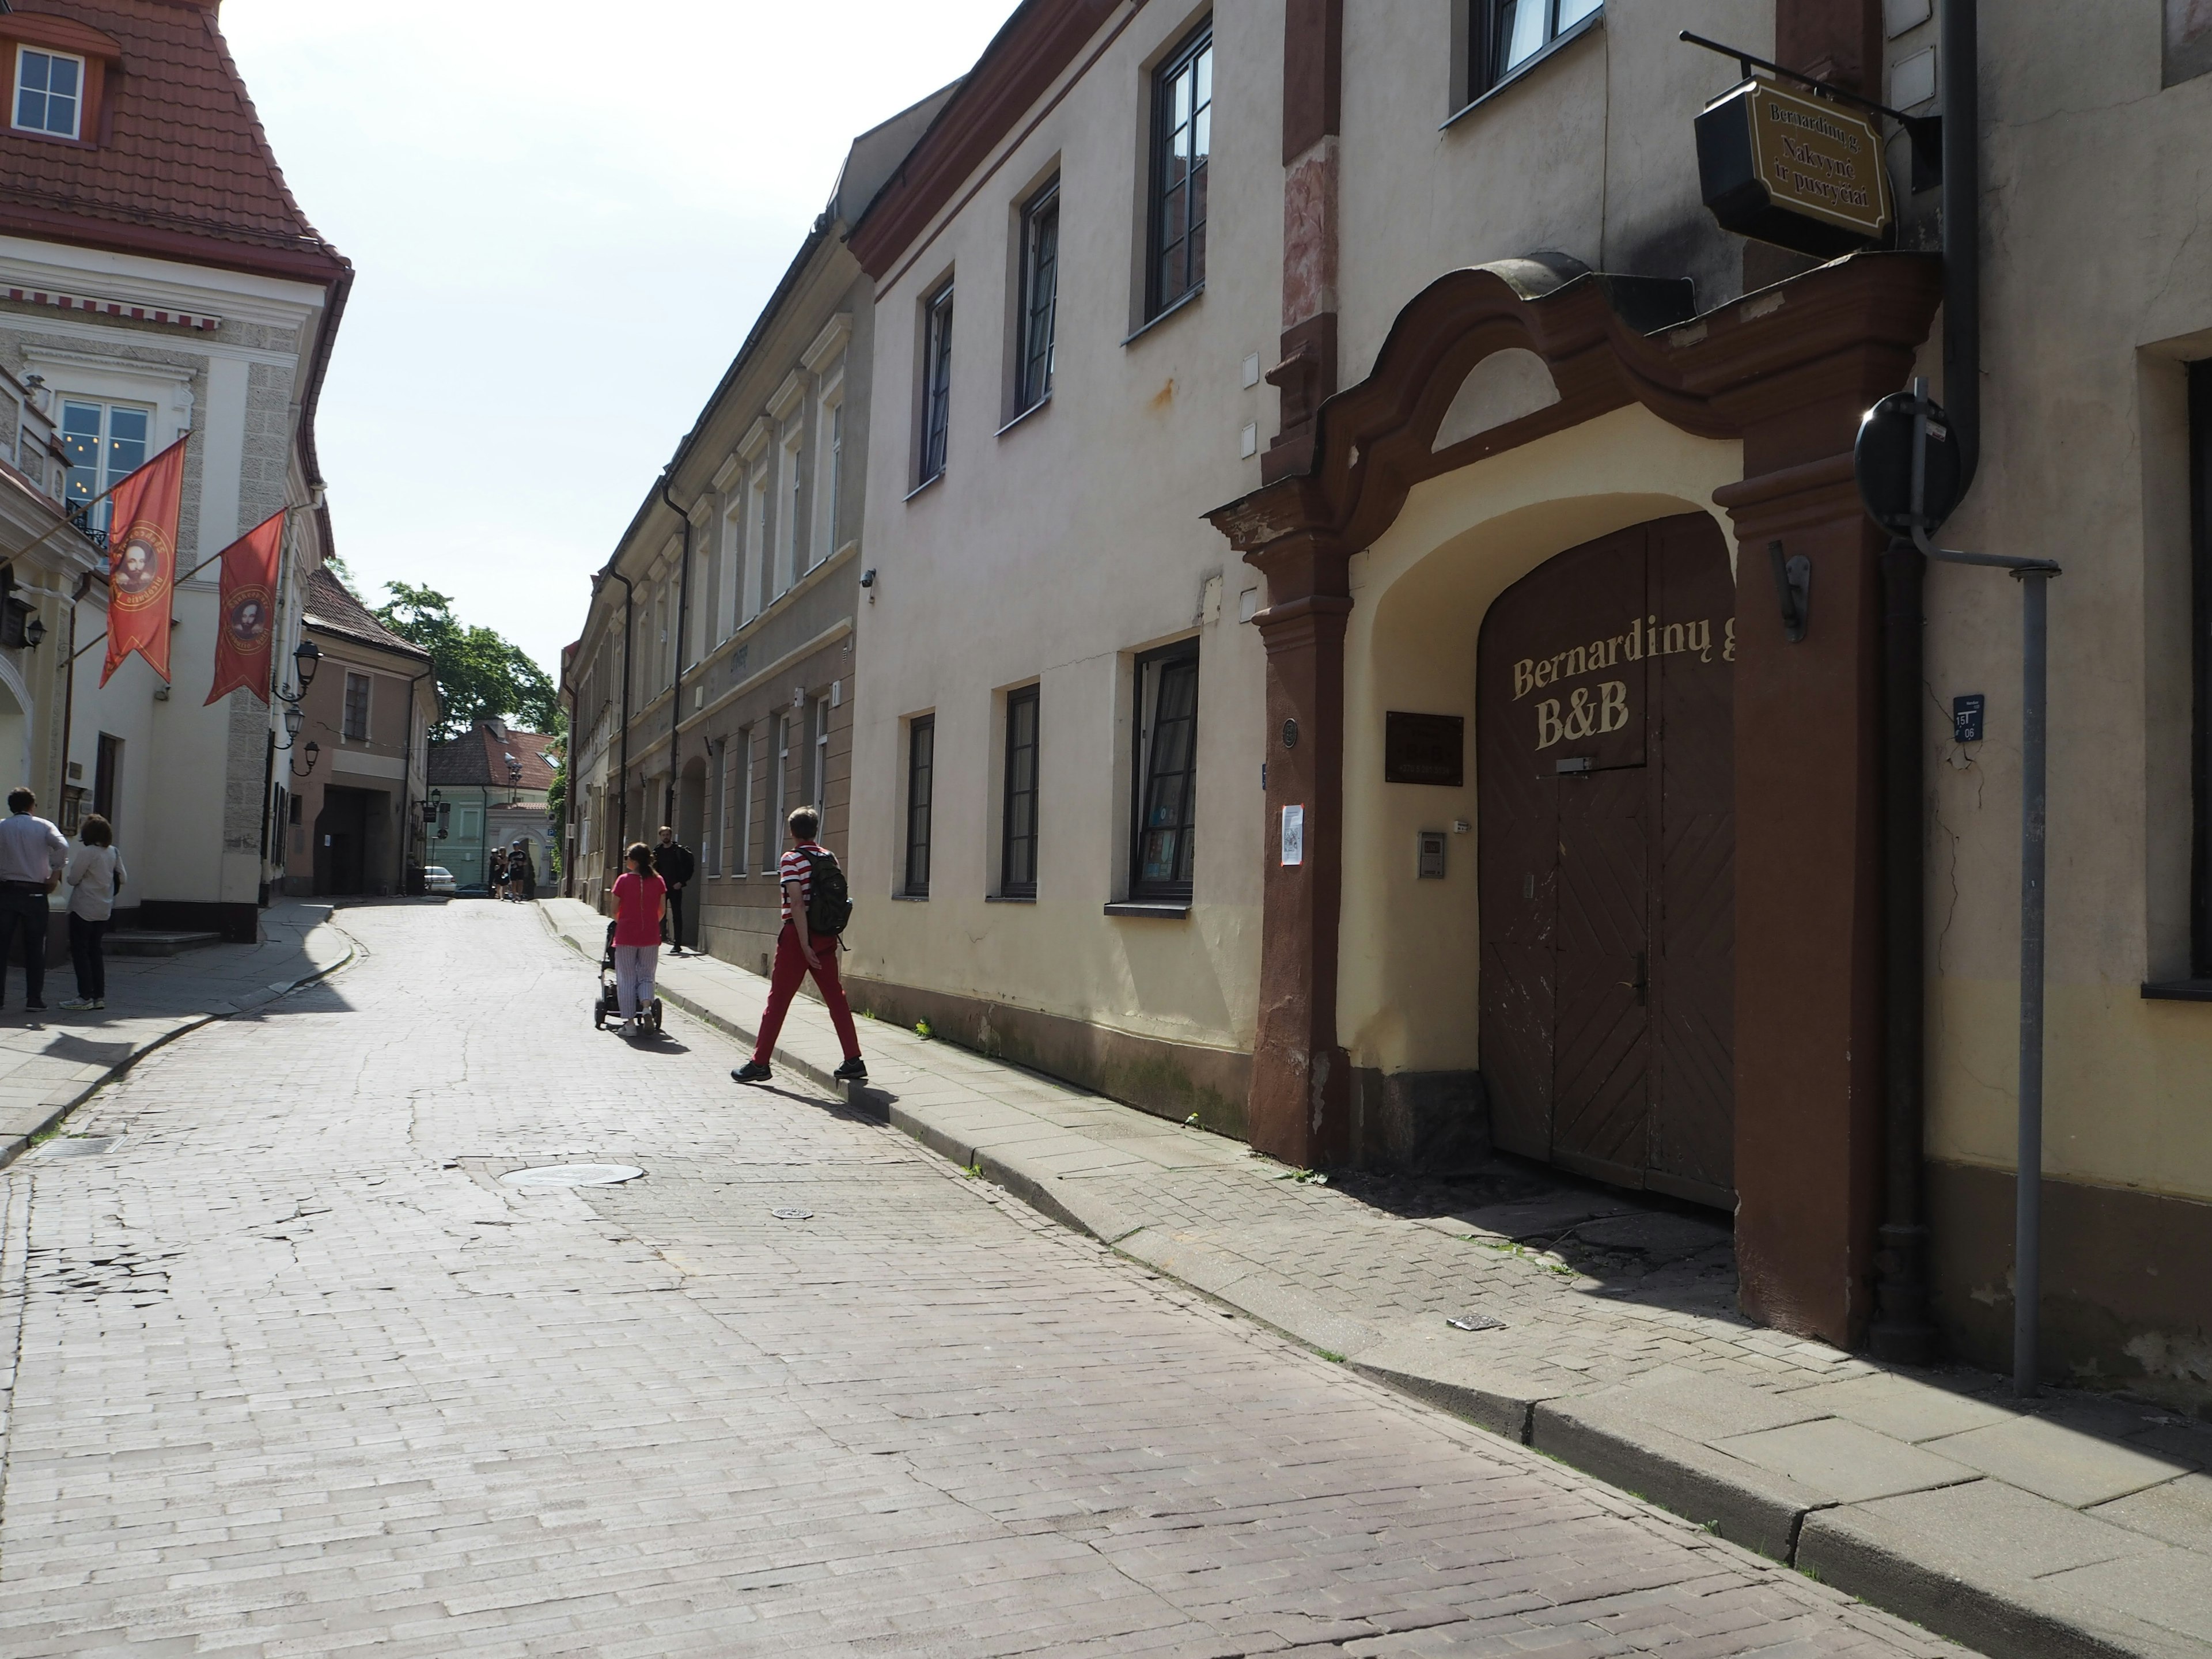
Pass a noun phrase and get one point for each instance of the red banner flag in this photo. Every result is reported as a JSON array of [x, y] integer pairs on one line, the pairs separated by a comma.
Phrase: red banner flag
[[141, 560], [249, 603]]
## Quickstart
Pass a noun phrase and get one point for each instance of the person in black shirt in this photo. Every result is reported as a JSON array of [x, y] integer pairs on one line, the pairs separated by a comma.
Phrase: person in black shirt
[[673, 863]]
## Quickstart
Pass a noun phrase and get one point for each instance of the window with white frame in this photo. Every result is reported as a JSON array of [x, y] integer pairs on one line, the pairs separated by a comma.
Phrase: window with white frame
[[718, 817], [105, 443], [818, 755], [936, 383], [49, 92], [779, 784], [726, 614], [357, 707], [830, 468], [791, 552], [743, 845], [755, 541]]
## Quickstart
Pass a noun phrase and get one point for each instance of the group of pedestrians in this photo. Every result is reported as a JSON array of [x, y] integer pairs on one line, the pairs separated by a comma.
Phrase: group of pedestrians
[[648, 906], [513, 873], [36, 858]]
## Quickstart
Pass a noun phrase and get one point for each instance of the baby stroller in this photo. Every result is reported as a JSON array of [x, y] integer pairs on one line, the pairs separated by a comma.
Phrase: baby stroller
[[609, 1007]]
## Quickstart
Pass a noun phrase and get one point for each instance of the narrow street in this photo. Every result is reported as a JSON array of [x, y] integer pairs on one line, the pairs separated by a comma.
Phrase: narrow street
[[296, 1373]]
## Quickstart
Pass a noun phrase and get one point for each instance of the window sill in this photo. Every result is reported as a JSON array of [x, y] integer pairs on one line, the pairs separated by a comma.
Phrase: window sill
[[909, 899], [1009, 898], [1187, 300], [2178, 990], [1587, 25], [1040, 405], [933, 480], [1151, 909]]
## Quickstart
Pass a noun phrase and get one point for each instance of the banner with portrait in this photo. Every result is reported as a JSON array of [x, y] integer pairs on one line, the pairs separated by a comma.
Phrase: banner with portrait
[[142, 561], [249, 608]]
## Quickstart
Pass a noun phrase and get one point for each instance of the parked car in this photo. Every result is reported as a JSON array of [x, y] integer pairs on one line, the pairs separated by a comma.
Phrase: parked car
[[436, 878]]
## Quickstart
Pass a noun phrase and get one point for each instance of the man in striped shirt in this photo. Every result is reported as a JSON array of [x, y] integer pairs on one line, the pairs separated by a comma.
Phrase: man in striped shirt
[[799, 951]]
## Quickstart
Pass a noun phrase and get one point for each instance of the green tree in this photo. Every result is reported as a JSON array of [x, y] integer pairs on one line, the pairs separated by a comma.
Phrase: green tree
[[480, 675]]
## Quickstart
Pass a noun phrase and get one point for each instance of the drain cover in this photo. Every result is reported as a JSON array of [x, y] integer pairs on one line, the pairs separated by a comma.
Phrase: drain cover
[[78, 1146], [793, 1215], [1476, 1322], [572, 1175]]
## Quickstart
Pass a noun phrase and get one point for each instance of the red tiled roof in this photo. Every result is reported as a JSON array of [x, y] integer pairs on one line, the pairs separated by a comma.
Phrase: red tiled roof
[[330, 606], [478, 759], [179, 168]]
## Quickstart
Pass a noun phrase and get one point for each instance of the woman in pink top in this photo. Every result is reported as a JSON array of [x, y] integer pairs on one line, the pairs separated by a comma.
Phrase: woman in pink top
[[640, 899]]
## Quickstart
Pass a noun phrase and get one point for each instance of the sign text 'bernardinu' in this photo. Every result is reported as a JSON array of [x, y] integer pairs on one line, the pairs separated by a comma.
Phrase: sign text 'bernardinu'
[[1593, 711]]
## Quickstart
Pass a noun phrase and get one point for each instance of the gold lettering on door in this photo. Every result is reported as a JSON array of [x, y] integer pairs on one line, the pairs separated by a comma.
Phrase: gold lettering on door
[[1582, 718], [1645, 637]]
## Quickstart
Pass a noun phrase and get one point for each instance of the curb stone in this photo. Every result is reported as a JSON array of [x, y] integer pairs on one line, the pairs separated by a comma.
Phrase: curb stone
[[17, 1146], [1741, 1502]]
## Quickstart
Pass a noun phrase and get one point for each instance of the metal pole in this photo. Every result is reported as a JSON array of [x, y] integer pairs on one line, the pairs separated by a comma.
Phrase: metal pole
[[2027, 1202]]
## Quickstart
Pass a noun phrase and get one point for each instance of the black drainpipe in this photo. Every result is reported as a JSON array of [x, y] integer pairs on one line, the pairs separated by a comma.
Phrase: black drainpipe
[[682, 616], [1903, 1332]]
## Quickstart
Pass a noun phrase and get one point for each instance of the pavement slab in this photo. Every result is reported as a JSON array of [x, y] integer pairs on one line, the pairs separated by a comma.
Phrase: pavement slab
[[1607, 1331], [298, 1374]]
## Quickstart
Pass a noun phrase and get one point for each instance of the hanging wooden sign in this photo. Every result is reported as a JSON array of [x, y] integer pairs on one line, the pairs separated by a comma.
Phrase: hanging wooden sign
[[1799, 172]]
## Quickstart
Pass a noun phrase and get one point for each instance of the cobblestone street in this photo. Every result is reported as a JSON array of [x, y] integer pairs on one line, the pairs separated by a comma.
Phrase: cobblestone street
[[297, 1374]]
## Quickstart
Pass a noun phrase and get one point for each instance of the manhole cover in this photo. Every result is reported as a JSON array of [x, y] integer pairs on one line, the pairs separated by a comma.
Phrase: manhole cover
[[793, 1215], [78, 1146], [1475, 1322], [572, 1175]]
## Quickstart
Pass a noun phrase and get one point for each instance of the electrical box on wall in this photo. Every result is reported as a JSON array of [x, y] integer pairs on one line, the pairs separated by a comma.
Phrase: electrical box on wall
[[1431, 866]]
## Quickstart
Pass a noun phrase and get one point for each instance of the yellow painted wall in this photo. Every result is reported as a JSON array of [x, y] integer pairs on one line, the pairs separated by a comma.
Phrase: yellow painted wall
[[1407, 996]]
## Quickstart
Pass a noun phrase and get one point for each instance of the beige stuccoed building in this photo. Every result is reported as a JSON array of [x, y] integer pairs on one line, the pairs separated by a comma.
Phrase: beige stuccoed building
[[710, 688], [1423, 679]]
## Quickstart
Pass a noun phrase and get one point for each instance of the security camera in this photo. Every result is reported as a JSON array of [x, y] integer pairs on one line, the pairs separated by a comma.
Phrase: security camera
[[868, 577]]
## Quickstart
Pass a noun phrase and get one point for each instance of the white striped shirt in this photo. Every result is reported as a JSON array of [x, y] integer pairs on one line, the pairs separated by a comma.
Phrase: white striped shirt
[[793, 867]]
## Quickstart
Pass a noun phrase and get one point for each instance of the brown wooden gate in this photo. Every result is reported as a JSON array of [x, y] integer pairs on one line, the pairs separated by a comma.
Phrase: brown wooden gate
[[1606, 778]]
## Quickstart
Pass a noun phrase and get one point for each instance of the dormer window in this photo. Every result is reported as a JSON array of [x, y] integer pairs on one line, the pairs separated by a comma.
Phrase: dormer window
[[49, 92]]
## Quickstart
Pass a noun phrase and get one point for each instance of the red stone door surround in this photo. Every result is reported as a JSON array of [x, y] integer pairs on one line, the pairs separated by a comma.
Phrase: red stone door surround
[[1789, 371]]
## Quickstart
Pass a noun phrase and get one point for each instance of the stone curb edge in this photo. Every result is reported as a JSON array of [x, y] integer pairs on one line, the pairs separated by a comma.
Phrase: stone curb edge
[[1755, 1511], [17, 1146]]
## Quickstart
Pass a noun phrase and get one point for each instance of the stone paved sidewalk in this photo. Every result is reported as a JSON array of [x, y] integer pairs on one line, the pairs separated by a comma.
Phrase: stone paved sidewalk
[[52, 1060], [2081, 1525]]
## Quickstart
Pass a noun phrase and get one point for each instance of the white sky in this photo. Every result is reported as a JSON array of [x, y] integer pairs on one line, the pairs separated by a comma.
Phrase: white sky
[[562, 232]]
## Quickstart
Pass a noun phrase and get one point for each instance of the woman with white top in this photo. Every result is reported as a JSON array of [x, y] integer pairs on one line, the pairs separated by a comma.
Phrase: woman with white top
[[94, 875]]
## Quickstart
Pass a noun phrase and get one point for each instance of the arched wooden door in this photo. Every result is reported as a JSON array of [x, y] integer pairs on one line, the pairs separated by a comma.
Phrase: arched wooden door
[[1606, 777]]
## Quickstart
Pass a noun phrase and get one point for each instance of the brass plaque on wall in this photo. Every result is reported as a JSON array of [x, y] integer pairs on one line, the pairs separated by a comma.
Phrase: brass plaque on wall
[[1799, 172], [1425, 748]]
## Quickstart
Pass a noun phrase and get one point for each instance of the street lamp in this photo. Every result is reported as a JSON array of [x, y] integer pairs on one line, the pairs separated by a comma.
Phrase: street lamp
[[314, 752], [34, 631], [306, 660]]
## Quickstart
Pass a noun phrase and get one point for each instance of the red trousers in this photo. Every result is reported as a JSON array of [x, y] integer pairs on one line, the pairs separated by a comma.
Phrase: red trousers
[[791, 968]]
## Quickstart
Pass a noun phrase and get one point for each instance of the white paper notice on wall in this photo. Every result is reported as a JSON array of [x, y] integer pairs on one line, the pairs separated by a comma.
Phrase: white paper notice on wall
[[1294, 835]]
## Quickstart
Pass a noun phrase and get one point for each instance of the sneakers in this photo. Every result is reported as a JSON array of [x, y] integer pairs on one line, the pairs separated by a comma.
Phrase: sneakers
[[752, 1072], [36, 1007], [77, 1004], [854, 1070]]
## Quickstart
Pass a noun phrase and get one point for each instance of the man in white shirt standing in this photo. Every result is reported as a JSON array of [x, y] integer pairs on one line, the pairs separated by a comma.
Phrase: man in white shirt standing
[[32, 854]]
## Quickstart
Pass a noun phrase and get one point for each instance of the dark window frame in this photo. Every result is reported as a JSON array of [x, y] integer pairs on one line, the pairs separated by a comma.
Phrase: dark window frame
[[1166, 234], [1037, 321], [936, 427], [1489, 22], [1017, 839], [2200, 540], [921, 801], [1153, 671]]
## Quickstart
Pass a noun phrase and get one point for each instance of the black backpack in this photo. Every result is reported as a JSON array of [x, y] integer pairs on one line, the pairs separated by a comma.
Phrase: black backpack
[[829, 905]]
